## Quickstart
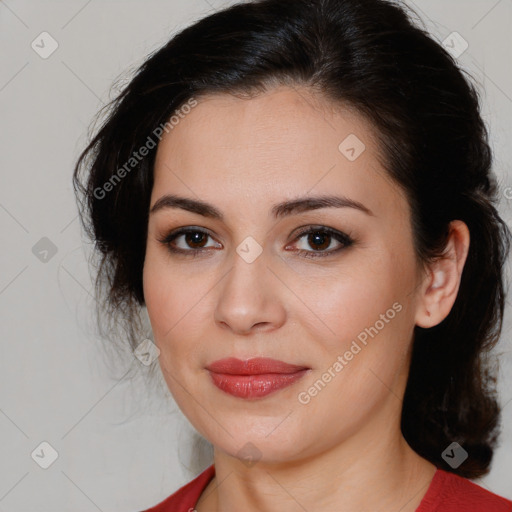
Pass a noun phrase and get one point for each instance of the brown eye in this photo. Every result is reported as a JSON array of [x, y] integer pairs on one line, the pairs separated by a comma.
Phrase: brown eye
[[187, 241], [320, 239], [195, 239]]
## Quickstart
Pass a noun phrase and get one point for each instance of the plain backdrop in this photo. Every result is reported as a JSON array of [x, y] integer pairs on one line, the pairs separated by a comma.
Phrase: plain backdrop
[[118, 447]]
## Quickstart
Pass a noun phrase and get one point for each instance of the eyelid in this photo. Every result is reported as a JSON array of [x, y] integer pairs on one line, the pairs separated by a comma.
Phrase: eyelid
[[345, 240], [342, 238], [175, 233]]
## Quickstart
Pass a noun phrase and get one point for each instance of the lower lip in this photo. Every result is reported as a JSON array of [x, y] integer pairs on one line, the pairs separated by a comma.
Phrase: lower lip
[[255, 386]]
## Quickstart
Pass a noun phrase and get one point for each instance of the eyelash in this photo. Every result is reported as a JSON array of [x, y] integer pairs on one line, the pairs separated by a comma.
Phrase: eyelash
[[342, 238]]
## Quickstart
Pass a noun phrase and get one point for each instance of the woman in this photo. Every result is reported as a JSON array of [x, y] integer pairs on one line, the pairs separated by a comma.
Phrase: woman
[[300, 194]]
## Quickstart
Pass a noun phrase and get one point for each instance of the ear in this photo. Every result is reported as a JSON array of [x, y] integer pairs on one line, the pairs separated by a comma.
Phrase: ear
[[439, 288]]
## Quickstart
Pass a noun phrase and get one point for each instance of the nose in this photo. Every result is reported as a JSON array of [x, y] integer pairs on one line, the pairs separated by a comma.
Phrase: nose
[[250, 298]]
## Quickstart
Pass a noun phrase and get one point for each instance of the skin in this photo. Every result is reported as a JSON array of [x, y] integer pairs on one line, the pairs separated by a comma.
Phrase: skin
[[344, 449]]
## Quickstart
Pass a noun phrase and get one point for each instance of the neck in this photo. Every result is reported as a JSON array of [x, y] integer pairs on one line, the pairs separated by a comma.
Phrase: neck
[[374, 469]]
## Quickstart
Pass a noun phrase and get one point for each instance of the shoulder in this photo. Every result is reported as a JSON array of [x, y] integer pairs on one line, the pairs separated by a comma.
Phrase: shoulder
[[185, 498], [449, 492]]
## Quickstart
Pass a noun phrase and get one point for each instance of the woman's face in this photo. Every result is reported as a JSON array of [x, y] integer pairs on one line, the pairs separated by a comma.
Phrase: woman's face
[[340, 304]]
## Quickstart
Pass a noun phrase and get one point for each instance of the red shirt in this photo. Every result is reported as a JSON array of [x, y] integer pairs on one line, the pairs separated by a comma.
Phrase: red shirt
[[447, 493]]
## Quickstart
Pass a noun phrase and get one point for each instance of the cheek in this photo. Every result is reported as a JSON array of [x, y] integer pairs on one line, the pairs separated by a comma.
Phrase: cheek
[[361, 363], [368, 315], [177, 303], [165, 309], [354, 298], [164, 305], [167, 291]]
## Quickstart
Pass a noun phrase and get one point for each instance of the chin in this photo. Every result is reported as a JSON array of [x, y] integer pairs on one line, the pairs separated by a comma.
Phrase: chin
[[263, 442]]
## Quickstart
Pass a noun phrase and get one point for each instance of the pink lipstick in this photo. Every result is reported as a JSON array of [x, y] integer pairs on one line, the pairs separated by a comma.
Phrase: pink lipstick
[[254, 378]]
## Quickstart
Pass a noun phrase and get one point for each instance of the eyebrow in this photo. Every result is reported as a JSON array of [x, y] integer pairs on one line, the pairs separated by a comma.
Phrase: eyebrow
[[278, 210]]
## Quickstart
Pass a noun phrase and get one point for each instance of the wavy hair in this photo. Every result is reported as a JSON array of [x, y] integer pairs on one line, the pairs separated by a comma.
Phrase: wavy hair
[[371, 55]]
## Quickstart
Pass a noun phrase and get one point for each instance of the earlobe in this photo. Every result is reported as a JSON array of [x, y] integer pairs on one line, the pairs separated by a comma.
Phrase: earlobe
[[441, 284]]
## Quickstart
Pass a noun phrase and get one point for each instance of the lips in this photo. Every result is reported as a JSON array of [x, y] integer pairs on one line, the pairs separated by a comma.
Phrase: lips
[[254, 378], [256, 366]]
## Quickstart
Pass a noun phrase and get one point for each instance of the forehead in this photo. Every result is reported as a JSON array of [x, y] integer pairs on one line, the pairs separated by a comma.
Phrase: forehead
[[279, 144]]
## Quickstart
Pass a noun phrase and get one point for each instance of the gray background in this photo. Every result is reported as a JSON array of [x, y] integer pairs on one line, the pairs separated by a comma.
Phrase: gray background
[[120, 446]]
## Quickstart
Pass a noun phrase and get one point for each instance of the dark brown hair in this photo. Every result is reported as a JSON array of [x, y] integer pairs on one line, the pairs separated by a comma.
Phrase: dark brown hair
[[368, 54]]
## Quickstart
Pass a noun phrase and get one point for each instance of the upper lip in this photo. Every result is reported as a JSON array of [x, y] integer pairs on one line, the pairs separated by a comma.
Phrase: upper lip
[[254, 366]]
